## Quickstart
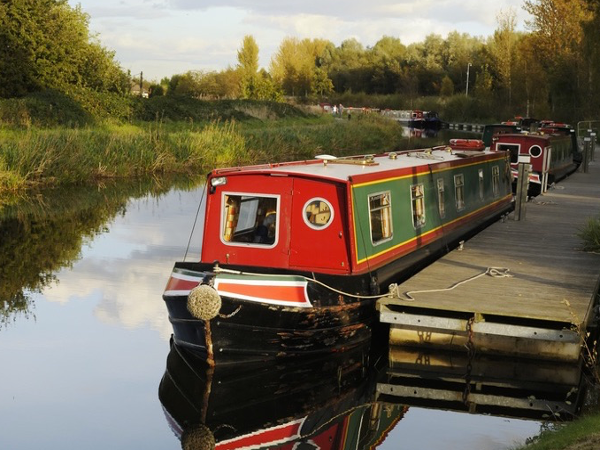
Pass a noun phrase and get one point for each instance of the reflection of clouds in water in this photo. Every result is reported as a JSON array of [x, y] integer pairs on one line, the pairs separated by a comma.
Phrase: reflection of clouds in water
[[457, 430], [127, 269]]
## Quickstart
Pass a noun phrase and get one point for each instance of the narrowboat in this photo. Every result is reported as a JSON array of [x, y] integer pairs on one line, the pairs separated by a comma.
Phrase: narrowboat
[[295, 255], [551, 127], [550, 156], [491, 130], [328, 402]]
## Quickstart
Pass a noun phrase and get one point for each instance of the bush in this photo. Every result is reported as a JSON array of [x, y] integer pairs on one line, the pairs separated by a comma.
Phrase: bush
[[590, 235]]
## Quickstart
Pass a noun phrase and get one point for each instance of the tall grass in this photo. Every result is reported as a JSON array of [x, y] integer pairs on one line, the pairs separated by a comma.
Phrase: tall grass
[[63, 156], [590, 235]]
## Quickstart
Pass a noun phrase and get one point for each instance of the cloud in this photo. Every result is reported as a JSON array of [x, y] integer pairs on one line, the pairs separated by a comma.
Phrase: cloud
[[166, 37], [124, 271]]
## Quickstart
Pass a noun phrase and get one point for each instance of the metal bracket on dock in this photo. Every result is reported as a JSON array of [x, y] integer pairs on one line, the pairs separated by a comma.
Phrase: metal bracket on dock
[[434, 330]]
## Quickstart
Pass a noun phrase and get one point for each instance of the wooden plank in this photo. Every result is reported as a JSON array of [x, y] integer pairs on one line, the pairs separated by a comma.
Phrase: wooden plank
[[552, 279]]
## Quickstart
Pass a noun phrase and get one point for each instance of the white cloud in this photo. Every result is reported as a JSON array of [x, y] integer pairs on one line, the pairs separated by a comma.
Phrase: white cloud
[[165, 37]]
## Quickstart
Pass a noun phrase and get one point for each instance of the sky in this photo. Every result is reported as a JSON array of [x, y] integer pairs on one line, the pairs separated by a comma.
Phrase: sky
[[161, 38]]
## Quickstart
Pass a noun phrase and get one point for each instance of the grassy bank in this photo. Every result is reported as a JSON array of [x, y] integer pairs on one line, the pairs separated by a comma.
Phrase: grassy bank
[[582, 434], [34, 156]]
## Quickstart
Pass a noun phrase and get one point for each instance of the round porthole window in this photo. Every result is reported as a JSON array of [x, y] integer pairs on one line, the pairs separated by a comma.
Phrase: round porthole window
[[535, 151], [318, 213]]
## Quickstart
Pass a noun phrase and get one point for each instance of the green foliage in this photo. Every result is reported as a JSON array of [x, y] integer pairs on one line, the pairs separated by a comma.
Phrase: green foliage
[[447, 88], [46, 45], [580, 434], [590, 235]]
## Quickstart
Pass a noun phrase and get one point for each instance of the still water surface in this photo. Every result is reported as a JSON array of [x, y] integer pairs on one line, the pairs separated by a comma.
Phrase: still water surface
[[84, 333]]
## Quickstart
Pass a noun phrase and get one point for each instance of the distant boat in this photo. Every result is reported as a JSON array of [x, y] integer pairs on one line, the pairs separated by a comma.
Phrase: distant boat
[[415, 118], [491, 130], [551, 156], [295, 255]]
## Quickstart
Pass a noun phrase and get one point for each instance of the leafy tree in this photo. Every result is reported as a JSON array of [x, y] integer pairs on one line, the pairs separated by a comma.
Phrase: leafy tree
[[447, 88], [386, 59], [293, 66], [557, 28], [248, 66], [46, 44], [503, 45]]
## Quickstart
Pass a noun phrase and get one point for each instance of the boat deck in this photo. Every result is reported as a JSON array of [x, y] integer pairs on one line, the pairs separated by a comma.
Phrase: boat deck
[[539, 310]]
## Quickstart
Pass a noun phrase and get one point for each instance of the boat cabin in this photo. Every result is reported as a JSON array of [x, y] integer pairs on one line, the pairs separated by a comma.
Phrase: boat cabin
[[491, 130], [348, 215], [550, 156]]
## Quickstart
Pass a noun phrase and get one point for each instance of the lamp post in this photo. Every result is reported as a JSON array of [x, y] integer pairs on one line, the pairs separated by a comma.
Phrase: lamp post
[[468, 66]]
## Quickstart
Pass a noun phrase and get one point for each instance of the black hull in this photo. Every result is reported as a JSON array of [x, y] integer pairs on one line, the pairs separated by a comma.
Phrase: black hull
[[255, 332]]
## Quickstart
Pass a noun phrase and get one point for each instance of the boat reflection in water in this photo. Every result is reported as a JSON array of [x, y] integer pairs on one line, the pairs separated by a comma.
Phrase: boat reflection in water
[[342, 401], [326, 403], [526, 389]]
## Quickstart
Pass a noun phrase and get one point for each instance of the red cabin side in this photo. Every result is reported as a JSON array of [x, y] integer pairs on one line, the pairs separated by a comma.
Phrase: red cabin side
[[263, 219]]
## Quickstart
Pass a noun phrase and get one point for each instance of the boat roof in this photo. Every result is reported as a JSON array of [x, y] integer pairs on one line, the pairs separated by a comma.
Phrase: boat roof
[[346, 168], [530, 136]]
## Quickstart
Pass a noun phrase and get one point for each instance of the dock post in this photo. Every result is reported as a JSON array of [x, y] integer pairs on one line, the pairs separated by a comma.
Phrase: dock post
[[587, 150], [522, 188]]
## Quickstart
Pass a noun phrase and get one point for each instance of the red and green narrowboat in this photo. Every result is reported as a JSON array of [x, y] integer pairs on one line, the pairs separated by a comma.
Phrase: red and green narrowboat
[[550, 155], [294, 255]]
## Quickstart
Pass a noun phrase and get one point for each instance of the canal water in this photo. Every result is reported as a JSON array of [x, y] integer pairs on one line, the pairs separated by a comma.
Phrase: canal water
[[84, 337]]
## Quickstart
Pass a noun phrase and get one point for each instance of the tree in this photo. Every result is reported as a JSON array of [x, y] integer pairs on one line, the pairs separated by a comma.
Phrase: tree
[[557, 30], [294, 65], [46, 44], [248, 66], [447, 88], [502, 45]]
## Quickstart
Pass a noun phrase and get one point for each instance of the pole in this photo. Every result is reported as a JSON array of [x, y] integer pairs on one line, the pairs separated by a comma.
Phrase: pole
[[468, 66], [522, 188]]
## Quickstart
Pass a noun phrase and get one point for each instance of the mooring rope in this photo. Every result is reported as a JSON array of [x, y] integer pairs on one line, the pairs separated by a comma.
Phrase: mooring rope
[[393, 292], [496, 272], [195, 221]]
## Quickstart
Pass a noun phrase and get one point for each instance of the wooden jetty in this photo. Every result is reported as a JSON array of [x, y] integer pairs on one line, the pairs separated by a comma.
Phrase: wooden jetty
[[518, 288]]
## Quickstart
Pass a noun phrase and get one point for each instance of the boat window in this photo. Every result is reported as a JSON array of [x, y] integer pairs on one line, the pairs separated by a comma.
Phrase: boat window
[[250, 219], [318, 213], [418, 205], [459, 191], [495, 180], [512, 148], [380, 211], [535, 151], [441, 197], [481, 185]]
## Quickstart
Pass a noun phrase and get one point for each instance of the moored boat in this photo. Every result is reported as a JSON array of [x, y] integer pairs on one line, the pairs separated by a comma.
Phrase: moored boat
[[491, 130], [550, 156], [294, 255]]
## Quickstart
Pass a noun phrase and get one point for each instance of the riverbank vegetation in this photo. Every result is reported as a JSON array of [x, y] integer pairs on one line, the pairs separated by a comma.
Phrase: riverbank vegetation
[[32, 156], [590, 235], [582, 434]]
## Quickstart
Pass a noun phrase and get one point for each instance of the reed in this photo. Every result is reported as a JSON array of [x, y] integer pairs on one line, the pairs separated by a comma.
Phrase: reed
[[65, 156], [590, 235]]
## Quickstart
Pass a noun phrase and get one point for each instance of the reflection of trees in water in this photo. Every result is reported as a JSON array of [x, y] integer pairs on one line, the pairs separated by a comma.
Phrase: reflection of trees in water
[[45, 232]]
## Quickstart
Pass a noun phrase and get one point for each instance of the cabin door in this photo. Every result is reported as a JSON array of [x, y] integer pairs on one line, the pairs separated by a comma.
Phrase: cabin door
[[318, 226]]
